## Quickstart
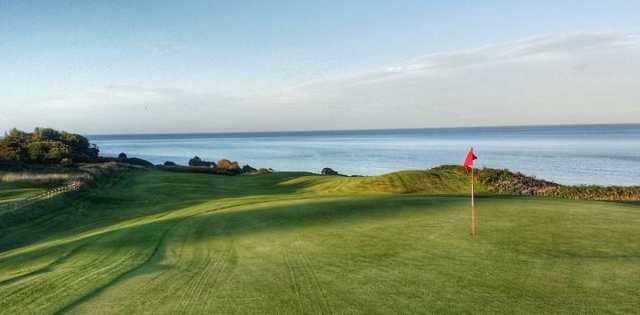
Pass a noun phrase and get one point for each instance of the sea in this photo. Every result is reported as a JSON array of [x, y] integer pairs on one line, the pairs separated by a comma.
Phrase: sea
[[568, 154]]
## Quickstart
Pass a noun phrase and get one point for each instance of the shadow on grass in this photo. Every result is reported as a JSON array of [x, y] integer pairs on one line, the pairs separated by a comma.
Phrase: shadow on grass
[[136, 194], [241, 220], [245, 219]]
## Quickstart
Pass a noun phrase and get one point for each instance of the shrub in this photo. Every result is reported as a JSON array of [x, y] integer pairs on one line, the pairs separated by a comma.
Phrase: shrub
[[46, 145], [66, 162], [138, 162], [48, 151], [329, 172], [225, 164], [44, 134]]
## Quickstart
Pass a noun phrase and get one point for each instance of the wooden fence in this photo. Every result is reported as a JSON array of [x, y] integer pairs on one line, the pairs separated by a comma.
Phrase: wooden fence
[[70, 186]]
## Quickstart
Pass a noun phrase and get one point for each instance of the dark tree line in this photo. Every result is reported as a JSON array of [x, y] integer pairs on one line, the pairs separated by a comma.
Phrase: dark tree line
[[46, 146]]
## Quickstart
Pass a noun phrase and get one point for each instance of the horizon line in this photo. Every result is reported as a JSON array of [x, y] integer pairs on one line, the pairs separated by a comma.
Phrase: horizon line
[[359, 130]]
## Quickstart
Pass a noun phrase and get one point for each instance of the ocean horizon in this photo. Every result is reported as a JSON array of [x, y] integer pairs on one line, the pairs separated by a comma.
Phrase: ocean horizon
[[596, 154]]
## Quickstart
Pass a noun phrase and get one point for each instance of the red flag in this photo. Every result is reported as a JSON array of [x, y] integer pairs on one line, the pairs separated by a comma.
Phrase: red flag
[[468, 161]]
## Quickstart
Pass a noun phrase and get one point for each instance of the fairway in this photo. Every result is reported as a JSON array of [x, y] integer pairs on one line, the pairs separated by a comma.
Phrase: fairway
[[294, 243]]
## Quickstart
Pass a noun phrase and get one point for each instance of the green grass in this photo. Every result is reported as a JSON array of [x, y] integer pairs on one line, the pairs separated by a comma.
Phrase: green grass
[[16, 194], [12, 192], [292, 243]]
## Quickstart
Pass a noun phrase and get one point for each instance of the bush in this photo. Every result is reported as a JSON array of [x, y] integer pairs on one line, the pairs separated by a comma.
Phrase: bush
[[14, 146], [66, 162], [44, 134], [329, 172], [597, 192], [46, 146], [138, 162], [225, 164], [48, 151]]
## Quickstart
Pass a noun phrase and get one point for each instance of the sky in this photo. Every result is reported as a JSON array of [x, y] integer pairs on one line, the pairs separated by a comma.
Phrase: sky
[[113, 67]]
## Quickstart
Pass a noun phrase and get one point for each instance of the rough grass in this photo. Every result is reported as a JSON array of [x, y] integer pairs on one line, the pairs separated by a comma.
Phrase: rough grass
[[12, 177], [291, 243]]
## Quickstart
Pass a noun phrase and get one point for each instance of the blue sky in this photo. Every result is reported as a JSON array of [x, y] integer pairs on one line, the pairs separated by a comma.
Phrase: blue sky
[[153, 66]]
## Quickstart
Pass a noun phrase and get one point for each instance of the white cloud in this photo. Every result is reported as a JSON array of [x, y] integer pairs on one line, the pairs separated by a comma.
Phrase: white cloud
[[567, 78], [570, 78], [541, 47], [123, 109]]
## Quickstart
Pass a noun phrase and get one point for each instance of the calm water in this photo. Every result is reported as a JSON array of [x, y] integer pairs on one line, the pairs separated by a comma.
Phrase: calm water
[[594, 154]]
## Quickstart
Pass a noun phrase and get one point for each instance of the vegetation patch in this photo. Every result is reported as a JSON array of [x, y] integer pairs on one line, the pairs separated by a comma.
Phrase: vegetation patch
[[45, 146]]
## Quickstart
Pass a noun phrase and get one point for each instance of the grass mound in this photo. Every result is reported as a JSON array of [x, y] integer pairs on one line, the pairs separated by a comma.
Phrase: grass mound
[[451, 179], [447, 179], [434, 181]]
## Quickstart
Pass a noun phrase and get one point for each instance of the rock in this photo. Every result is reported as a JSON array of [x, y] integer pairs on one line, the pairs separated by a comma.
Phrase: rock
[[197, 162], [248, 169]]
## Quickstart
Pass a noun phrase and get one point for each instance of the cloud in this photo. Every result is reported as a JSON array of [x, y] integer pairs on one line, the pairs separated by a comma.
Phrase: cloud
[[123, 109], [547, 46], [567, 44], [566, 78]]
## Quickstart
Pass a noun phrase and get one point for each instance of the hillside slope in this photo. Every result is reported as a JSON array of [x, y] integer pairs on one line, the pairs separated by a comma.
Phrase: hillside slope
[[431, 181], [450, 179], [291, 243]]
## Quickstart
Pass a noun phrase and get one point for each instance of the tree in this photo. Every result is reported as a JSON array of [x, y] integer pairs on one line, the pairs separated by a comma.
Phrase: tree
[[81, 149], [44, 134], [13, 146], [329, 172], [46, 145], [48, 151]]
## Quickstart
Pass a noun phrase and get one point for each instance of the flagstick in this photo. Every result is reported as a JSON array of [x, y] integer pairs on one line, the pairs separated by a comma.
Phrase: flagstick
[[473, 207]]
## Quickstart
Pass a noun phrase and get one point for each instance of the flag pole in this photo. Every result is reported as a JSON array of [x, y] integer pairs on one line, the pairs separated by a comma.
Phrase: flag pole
[[468, 164], [473, 207]]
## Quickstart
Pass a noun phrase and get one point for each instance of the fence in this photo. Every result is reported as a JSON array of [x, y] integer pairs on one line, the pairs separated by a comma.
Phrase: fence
[[70, 186]]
